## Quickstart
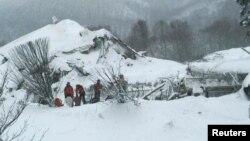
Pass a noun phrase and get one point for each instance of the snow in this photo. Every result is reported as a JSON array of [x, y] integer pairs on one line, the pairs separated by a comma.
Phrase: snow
[[151, 68], [181, 120], [65, 48], [63, 36], [143, 70], [232, 60], [66, 45]]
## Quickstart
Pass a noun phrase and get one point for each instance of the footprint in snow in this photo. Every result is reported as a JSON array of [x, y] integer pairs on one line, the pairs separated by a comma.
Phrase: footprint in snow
[[100, 116], [168, 125]]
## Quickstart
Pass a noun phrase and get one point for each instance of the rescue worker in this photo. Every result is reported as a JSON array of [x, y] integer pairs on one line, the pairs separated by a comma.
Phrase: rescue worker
[[69, 94], [97, 91], [122, 83], [80, 93]]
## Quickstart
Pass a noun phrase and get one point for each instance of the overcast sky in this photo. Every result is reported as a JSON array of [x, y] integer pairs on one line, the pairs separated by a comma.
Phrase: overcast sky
[[19, 17]]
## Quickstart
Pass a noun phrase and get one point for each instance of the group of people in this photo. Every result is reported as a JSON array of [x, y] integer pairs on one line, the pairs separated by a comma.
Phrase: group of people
[[76, 98]]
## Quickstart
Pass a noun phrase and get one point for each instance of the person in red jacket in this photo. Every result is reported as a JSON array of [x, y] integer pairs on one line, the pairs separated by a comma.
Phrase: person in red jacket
[[80, 93], [69, 94]]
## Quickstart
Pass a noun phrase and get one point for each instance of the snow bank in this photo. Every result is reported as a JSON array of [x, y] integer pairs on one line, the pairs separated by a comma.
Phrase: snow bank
[[181, 120], [232, 60], [63, 37]]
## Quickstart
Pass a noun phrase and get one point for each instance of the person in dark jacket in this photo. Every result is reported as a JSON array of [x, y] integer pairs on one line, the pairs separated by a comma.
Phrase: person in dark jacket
[[80, 93], [123, 84], [69, 94], [97, 90]]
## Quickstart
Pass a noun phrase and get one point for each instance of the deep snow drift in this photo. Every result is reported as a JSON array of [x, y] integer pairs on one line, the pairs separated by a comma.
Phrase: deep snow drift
[[180, 120], [232, 60]]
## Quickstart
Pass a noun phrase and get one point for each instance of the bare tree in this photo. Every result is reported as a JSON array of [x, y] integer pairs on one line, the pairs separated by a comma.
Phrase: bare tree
[[16, 78], [10, 114], [139, 36], [174, 40], [113, 85], [222, 34], [181, 37], [3, 80], [9, 117], [32, 61], [160, 45]]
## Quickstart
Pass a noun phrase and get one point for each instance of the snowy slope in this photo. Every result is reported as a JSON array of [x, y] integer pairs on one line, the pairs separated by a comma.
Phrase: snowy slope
[[66, 46], [63, 36], [181, 120], [232, 60]]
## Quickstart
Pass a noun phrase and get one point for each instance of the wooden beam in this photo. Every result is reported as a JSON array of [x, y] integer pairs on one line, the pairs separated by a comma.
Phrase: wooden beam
[[246, 51]]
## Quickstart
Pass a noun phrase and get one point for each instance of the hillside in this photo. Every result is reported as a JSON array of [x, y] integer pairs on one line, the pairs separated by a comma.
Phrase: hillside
[[69, 51], [232, 60]]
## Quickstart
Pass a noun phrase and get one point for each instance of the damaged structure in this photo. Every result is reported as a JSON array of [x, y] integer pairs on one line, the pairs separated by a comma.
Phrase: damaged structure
[[197, 82]]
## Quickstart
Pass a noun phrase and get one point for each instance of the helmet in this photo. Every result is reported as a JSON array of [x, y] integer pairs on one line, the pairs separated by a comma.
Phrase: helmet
[[68, 84], [121, 76]]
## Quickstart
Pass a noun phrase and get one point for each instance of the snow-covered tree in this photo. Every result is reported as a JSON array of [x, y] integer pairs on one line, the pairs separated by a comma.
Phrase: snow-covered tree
[[3, 81], [32, 61], [245, 14], [114, 85]]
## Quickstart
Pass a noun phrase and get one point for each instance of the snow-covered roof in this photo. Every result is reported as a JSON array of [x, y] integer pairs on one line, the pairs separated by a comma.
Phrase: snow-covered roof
[[67, 39], [63, 37], [232, 60]]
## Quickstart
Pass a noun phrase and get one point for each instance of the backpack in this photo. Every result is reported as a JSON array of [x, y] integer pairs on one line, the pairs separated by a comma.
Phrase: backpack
[[80, 89], [77, 101], [58, 102]]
